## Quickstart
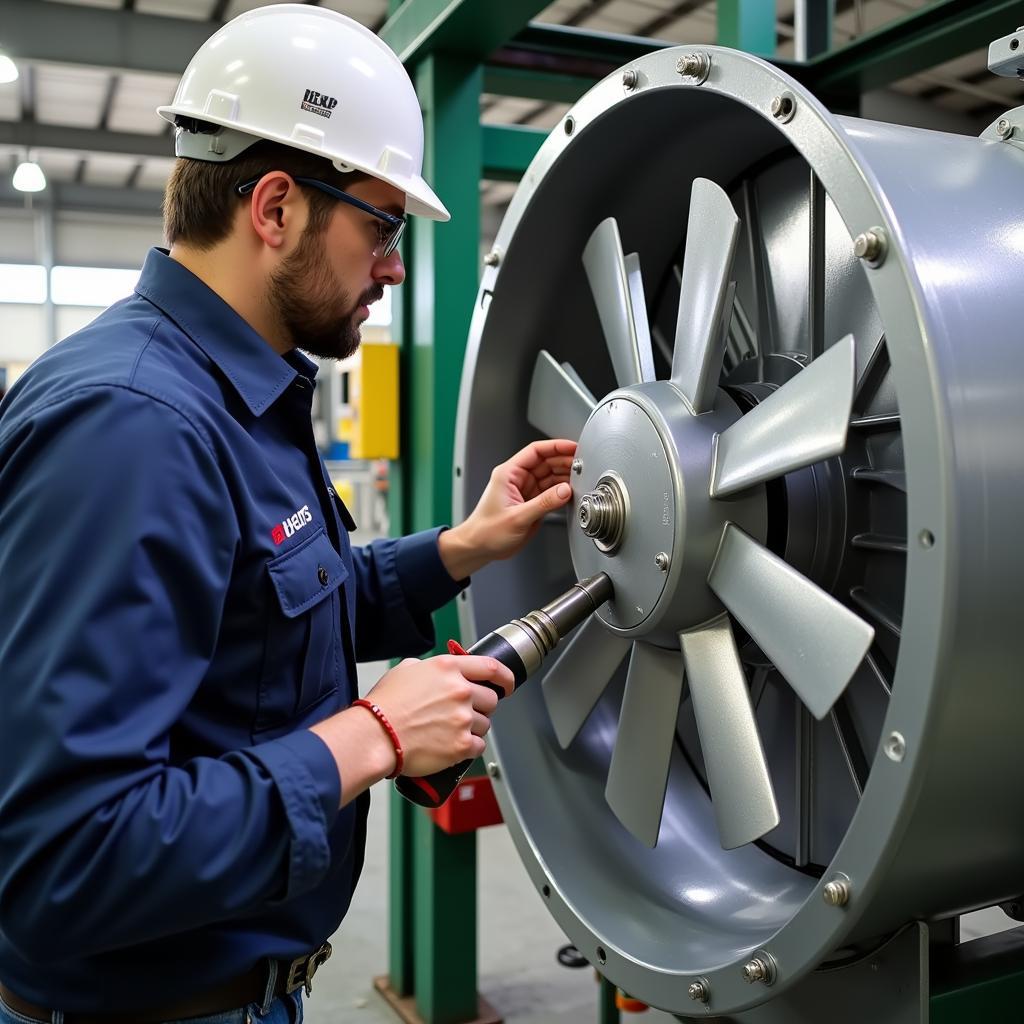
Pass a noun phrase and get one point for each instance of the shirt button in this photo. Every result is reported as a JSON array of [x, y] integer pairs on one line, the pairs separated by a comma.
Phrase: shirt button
[[321, 575]]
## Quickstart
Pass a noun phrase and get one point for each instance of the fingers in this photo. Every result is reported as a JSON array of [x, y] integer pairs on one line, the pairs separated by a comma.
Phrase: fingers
[[541, 451], [478, 669], [481, 725]]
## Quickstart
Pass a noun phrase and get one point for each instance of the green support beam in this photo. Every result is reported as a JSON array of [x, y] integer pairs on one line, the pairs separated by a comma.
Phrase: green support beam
[[937, 33], [508, 150], [433, 938], [536, 85], [747, 25], [470, 28]]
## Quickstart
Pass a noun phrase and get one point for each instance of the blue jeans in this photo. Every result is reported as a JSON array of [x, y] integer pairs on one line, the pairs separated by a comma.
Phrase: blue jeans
[[286, 1010]]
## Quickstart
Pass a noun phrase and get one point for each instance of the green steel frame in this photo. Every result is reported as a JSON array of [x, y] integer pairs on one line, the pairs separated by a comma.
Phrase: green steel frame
[[456, 50]]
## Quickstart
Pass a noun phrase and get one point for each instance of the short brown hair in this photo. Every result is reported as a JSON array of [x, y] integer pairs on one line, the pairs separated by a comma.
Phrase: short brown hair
[[200, 201]]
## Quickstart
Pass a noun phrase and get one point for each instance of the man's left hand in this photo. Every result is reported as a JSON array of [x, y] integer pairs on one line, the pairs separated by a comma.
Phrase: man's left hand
[[521, 491]]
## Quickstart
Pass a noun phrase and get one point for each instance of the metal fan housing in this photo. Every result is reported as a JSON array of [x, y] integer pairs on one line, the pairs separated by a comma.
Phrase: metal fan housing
[[936, 826]]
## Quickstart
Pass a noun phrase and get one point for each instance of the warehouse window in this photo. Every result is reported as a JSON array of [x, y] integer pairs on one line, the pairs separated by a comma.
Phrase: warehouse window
[[91, 286], [22, 282]]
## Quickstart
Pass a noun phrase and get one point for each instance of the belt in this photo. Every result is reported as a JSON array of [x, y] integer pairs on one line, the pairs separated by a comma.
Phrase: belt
[[250, 987]]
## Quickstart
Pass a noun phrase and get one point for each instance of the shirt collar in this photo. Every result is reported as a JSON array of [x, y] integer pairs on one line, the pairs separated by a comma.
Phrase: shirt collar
[[257, 372]]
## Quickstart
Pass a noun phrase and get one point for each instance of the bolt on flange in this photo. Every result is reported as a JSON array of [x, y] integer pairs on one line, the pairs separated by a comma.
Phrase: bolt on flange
[[836, 893], [871, 246], [761, 967], [630, 79], [694, 67], [699, 991], [1004, 129]]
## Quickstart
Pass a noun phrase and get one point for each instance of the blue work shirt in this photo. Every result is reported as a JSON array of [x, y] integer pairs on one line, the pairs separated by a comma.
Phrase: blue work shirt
[[178, 601]]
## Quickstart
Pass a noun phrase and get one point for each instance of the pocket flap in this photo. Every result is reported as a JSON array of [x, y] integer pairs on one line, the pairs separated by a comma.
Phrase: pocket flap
[[306, 574]]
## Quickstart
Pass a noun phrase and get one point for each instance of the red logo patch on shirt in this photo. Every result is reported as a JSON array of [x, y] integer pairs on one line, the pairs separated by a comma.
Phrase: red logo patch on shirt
[[290, 525]]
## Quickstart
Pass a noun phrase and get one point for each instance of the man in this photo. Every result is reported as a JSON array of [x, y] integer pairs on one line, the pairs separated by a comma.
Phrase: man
[[183, 782]]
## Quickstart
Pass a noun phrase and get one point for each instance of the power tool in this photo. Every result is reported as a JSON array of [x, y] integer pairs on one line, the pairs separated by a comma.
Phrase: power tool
[[521, 645]]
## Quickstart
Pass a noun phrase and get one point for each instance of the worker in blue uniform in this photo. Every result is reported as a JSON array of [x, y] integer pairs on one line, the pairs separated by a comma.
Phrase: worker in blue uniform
[[183, 777]]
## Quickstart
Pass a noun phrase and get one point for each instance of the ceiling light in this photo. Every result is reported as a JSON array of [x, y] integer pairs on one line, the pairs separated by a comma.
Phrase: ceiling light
[[29, 177], [8, 70]]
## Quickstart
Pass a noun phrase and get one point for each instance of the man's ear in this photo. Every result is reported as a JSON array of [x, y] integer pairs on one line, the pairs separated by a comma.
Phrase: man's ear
[[275, 203]]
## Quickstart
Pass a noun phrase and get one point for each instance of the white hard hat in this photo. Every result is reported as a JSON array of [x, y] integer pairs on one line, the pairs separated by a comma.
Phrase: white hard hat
[[309, 78]]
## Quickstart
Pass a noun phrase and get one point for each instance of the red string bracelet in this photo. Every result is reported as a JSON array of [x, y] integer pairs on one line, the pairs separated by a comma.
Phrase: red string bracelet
[[389, 729]]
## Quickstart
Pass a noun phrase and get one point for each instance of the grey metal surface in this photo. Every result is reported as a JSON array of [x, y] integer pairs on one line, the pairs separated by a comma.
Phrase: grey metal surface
[[576, 680], [559, 404], [621, 439], [737, 772], [711, 234], [625, 327], [936, 362], [813, 640], [638, 774], [804, 421]]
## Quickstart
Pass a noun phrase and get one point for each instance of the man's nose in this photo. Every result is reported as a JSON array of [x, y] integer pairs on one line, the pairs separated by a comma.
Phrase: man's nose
[[389, 269]]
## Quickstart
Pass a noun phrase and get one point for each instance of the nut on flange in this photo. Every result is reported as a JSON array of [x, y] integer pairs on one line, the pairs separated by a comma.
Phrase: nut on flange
[[836, 893], [761, 967], [694, 67], [871, 246], [699, 991]]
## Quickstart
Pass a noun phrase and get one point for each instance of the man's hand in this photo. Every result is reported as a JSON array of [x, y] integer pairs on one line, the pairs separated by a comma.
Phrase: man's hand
[[438, 710], [521, 491]]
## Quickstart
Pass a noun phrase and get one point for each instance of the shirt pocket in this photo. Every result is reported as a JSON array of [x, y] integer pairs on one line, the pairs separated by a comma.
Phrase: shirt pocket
[[301, 656]]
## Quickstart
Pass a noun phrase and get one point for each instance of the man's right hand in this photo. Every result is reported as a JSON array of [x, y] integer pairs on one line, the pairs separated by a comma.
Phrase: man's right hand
[[438, 709]]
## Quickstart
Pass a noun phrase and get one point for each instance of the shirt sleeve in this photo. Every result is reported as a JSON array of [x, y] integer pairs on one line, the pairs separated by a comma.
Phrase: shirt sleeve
[[117, 539], [399, 583]]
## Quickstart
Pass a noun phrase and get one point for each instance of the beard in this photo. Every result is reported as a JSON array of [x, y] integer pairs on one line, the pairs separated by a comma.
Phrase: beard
[[315, 311]]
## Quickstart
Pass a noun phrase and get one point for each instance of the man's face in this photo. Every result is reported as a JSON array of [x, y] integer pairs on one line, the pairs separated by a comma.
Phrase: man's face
[[323, 289]]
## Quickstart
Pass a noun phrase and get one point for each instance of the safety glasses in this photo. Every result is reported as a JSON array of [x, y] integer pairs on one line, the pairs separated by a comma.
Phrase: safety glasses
[[389, 227]]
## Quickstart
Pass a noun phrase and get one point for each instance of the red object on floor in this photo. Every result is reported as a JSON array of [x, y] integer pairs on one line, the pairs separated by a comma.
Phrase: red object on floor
[[472, 806], [629, 1004]]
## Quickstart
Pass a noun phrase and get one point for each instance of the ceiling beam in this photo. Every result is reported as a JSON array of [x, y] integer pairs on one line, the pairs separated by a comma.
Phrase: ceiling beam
[[471, 28], [83, 140], [940, 32], [62, 33], [98, 198]]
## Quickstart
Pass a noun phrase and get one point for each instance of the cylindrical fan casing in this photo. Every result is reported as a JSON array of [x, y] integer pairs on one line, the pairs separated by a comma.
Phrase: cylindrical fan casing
[[940, 827]]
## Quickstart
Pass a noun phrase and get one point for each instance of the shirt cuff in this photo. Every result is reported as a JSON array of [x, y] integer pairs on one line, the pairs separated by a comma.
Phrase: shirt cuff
[[306, 776], [421, 571]]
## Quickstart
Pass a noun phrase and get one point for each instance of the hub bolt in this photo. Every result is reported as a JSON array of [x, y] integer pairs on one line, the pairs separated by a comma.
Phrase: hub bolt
[[630, 79], [602, 513], [577, 466], [661, 560], [1003, 128]]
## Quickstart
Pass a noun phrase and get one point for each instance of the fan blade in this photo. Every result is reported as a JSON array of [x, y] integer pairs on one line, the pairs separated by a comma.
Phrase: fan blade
[[638, 774], [638, 302], [606, 270], [579, 675], [803, 422], [741, 788], [711, 234], [813, 640], [559, 404]]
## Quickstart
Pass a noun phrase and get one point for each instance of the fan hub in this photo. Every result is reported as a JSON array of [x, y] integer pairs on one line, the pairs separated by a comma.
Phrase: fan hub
[[642, 510]]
